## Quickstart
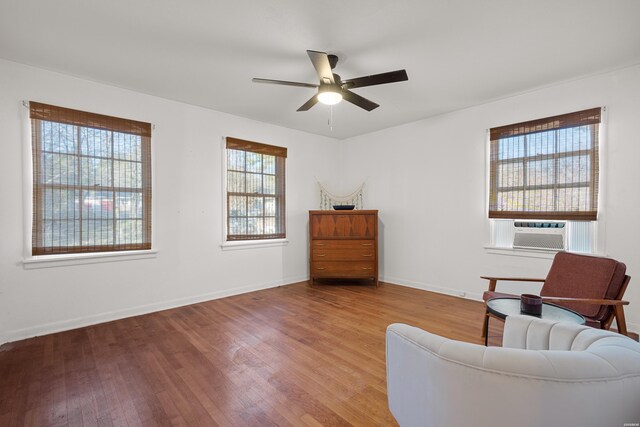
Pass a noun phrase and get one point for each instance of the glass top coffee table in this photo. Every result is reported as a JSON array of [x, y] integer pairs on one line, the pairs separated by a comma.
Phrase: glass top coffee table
[[510, 306]]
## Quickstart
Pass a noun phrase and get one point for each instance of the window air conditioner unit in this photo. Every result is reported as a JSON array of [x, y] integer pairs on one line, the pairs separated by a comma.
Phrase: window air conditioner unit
[[539, 235]]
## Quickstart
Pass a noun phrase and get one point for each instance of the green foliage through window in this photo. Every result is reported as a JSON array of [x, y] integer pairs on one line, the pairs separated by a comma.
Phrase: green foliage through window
[[91, 188], [255, 193]]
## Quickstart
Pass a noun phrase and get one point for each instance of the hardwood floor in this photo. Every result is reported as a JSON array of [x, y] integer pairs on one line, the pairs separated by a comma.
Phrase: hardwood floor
[[294, 355]]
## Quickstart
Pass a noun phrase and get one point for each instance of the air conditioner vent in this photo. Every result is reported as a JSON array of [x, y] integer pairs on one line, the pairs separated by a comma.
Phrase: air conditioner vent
[[539, 235]]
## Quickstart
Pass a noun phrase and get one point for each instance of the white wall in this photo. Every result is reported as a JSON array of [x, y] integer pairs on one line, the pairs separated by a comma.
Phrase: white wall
[[187, 194], [427, 178]]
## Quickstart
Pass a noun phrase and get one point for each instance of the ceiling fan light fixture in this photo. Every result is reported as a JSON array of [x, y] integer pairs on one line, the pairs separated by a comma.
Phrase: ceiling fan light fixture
[[329, 95], [332, 89]]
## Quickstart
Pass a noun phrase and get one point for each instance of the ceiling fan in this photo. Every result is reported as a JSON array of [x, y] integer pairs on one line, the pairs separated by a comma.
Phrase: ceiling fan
[[332, 89]]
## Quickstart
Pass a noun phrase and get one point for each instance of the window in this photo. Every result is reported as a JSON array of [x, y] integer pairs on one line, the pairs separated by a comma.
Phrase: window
[[546, 169], [255, 190], [91, 182]]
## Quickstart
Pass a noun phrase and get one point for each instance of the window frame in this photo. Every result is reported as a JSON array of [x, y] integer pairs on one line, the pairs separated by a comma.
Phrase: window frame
[[598, 226], [247, 241], [36, 255], [591, 117]]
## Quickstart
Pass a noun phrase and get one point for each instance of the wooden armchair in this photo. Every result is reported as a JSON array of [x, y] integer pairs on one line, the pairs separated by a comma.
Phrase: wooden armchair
[[591, 286]]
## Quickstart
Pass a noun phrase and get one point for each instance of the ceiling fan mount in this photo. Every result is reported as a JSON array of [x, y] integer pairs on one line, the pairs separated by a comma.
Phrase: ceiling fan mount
[[332, 89], [333, 60]]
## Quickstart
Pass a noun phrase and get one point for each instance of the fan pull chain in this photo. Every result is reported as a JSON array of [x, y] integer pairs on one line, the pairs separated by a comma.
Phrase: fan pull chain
[[330, 122]]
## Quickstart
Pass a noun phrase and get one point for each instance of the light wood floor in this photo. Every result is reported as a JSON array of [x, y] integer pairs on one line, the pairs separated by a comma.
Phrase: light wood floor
[[294, 355]]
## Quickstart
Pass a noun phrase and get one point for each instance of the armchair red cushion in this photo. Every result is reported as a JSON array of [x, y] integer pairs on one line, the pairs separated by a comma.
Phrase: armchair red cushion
[[583, 276]]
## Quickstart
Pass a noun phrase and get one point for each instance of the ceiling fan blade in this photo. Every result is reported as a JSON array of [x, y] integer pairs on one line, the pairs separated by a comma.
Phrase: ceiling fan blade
[[320, 62], [283, 82], [358, 100], [376, 79], [310, 103]]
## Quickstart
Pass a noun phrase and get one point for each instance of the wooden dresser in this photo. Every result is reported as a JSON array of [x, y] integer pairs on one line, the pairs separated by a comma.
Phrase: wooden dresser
[[343, 244]]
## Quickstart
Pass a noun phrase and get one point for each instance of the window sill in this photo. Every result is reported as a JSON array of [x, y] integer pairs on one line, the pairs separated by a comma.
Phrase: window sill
[[531, 253], [528, 253], [47, 261], [250, 244]]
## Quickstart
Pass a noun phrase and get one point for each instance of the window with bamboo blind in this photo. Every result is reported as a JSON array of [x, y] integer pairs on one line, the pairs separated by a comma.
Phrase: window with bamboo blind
[[546, 168], [255, 190], [91, 182]]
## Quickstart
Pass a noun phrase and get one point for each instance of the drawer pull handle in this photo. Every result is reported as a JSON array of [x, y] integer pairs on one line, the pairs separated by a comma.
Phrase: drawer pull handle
[[367, 268], [367, 254], [319, 244], [321, 254], [320, 268], [367, 244]]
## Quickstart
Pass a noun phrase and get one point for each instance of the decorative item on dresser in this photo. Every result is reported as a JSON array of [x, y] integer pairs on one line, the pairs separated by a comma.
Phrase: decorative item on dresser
[[343, 244], [329, 199]]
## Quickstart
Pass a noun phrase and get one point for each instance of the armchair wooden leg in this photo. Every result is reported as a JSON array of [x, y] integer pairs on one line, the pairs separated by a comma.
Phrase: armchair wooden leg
[[485, 327], [620, 320]]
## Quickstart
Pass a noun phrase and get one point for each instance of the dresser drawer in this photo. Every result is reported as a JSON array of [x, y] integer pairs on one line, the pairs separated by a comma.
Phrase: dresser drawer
[[343, 269], [343, 250], [330, 226]]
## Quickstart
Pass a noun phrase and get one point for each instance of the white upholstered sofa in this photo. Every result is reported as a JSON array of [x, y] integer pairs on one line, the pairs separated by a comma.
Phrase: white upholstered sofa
[[546, 374]]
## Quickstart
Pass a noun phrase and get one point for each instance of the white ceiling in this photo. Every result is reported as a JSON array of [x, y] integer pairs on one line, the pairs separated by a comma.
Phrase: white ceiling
[[457, 53]]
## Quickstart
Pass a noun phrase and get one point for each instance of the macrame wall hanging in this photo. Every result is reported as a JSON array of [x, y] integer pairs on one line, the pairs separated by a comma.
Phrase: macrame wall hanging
[[328, 199]]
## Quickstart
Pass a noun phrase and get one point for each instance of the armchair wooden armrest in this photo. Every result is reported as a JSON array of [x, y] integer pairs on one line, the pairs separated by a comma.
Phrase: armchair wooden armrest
[[494, 280], [617, 308], [586, 300], [514, 279]]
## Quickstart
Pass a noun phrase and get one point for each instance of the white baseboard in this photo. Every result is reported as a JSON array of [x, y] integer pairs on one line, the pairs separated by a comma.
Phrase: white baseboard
[[68, 324], [432, 288], [65, 325], [631, 326]]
